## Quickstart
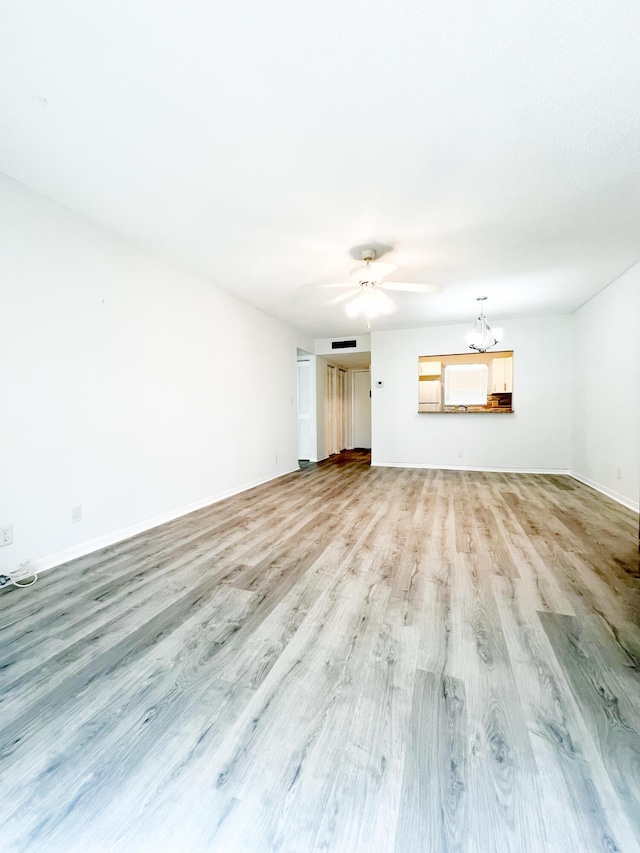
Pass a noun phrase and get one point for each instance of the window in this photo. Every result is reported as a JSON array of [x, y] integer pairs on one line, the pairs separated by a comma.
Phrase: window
[[465, 384]]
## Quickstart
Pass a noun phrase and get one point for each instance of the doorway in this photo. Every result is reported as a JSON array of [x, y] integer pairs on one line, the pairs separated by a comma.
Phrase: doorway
[[361, 409], [304, 410], [335, 433]]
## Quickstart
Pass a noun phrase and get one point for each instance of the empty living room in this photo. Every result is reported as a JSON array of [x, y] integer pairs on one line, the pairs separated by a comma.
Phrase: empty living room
[[319, 427]]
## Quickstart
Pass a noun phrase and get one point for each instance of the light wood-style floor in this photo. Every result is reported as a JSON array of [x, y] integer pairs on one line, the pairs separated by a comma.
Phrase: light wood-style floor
[[346, 659]]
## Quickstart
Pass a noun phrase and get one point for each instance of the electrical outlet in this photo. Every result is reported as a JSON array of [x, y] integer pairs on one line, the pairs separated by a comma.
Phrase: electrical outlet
[[276, 457], [6, 535], [76, 513], [460, 453], [619, 473]]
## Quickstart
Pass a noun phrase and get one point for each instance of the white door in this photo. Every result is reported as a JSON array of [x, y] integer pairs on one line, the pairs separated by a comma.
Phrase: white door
[[304, 410], [335, 410], [330, 411], [341, 390], [362, 409]]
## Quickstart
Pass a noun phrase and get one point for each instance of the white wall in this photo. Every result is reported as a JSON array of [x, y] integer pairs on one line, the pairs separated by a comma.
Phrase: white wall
[[606, 400], [536, 437], [126, 386]]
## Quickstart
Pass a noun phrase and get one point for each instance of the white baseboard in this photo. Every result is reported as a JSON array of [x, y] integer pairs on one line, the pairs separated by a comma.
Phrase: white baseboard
[[84, 548], [429, 466], [610, 493]]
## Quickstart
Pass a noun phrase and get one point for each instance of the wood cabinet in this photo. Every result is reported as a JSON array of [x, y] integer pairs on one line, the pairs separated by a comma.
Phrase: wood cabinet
[[502, 375]]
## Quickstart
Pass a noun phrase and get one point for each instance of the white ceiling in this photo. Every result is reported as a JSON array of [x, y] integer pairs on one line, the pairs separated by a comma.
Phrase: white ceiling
[[493, 144], [350, 360]]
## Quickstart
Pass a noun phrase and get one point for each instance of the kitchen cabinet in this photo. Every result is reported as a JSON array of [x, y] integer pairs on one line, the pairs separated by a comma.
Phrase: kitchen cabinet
[[502, 375]]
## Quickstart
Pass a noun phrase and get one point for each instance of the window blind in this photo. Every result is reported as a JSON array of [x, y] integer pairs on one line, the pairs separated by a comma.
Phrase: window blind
[[465, 384]]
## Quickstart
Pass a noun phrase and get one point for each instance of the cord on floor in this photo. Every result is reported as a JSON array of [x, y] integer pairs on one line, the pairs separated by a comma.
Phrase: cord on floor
[[8, 580]]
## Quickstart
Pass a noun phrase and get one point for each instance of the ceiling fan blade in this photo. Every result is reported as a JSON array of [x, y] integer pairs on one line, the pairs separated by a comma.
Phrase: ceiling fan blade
[[348, 295], [374, 271], [410, 286], [335, 284]]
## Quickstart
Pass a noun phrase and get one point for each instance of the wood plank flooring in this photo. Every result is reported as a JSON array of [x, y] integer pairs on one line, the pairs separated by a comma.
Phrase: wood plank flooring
[[346, 659]]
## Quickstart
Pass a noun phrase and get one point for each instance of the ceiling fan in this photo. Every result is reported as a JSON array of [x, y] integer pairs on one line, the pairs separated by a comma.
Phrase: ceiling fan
[[371, 300]]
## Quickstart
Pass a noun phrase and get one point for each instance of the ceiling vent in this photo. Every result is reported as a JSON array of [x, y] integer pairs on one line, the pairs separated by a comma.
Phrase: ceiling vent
[[343, 344]]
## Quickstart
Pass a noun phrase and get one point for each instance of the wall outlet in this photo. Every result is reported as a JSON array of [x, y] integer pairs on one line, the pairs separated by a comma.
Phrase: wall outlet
[[6, 535], [460, 454], [276, 457], [619, 473], [76, 513]]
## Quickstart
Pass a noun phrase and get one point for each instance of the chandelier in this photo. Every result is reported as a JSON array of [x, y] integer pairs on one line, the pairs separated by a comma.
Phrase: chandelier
[[482, 337]]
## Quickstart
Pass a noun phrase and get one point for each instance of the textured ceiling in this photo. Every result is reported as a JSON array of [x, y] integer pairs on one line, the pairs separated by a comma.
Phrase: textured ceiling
[[493, 145]]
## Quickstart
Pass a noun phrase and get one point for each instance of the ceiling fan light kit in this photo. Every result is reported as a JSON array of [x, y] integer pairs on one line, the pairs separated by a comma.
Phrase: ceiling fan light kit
[[370, 302], [371, 299], [482, 337]]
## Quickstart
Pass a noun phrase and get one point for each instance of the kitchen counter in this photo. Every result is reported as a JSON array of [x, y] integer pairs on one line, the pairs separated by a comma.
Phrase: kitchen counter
[[472, 410]]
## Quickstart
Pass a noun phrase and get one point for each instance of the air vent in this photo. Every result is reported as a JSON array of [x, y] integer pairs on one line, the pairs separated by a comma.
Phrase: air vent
[[343, 344]]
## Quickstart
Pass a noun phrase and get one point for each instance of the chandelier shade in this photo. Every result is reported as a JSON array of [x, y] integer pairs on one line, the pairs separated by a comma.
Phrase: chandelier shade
[[482, 337]]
